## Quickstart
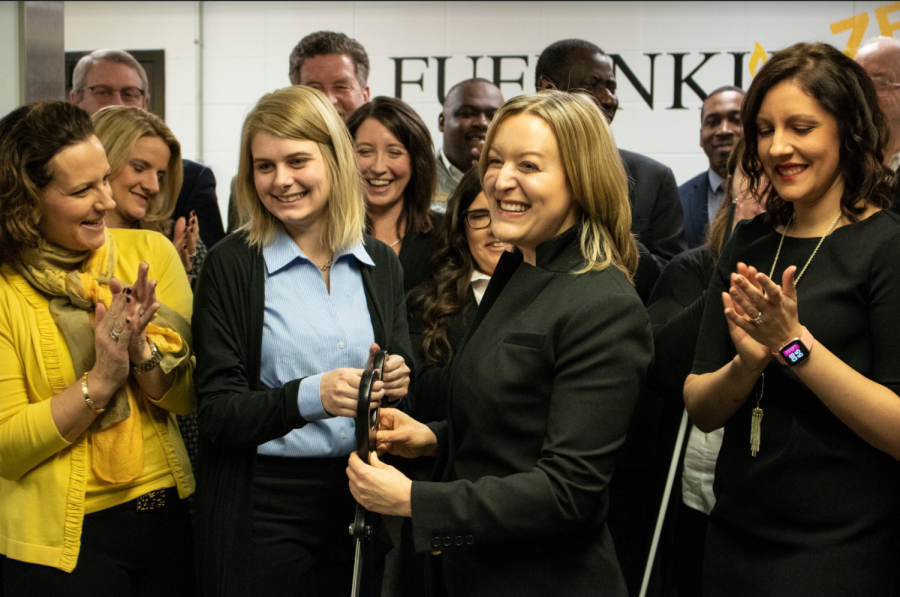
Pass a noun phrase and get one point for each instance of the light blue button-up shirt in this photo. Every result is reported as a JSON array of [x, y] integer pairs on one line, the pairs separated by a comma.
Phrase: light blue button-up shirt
[[308, 332]]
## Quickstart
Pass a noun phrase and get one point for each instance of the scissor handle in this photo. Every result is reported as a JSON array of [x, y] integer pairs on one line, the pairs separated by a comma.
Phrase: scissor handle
[[367, 420]]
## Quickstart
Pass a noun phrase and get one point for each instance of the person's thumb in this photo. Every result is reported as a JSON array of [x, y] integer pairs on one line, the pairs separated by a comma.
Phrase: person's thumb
[[375, 462]]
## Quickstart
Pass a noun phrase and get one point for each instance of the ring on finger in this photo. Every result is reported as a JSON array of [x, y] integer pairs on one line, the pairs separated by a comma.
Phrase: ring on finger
[[141, 311], [759, 318], [114, 335]]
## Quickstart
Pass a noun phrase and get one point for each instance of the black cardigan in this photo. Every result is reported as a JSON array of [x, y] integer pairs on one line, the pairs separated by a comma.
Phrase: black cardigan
[[236, 413]]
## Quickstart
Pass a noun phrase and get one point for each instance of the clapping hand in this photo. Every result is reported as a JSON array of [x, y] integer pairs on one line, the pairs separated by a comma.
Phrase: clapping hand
[[185, 238], [773, 308], [142, 307]]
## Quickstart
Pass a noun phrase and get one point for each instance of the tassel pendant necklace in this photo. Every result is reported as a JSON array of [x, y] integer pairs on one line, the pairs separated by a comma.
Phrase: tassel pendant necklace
[[756, 418], [757, 413]]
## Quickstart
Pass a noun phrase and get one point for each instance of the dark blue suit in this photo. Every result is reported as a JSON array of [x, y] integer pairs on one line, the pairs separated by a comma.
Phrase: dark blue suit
[[694, 195]]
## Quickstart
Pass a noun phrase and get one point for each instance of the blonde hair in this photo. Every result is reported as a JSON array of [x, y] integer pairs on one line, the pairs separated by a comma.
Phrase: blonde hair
[[595, 175], [301, 112], [119, 128]]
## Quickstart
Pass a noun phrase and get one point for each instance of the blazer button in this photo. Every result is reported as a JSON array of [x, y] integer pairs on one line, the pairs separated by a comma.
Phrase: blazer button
[[448, 541], [458, 541], [470, 539], [435, 541]]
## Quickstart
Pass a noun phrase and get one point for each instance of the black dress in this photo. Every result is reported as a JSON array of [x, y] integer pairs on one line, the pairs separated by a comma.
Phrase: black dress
[[817, 511]]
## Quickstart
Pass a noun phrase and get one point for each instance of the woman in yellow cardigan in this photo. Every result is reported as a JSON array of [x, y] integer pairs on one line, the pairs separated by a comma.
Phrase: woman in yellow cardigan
[[96, 363]]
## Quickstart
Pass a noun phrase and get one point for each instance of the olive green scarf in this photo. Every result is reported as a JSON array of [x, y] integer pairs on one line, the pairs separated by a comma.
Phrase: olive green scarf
[[77, 281]]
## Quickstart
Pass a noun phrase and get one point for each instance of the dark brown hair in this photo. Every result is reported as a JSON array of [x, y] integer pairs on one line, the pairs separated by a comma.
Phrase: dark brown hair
[[447, 292], [845, 91], [29, 138], [405, 124]]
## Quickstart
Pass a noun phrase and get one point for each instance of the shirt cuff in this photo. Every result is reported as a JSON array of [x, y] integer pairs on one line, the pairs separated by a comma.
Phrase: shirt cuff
[[310, 400]]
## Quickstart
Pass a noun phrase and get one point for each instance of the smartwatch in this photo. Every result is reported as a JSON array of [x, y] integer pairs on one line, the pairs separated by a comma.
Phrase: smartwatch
[[796, 351]]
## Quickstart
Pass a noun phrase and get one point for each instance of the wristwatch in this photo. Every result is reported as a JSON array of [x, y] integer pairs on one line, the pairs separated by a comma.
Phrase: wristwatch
[[796, 351], [153, 361]]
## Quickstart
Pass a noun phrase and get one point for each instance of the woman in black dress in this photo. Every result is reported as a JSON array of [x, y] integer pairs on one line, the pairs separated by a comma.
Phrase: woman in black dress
[[396, 159], [808, 497]]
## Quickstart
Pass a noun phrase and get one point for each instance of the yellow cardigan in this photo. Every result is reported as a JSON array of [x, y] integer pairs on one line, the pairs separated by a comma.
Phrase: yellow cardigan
[[42, 476]]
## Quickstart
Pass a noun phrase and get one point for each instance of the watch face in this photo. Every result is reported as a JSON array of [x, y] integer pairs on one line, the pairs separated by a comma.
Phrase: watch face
[[794, 353]]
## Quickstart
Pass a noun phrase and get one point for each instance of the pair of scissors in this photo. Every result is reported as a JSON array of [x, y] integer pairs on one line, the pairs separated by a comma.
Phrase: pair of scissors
[[362, 528]]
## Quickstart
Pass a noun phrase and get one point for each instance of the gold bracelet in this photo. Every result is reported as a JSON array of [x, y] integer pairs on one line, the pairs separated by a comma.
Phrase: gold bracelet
[[87, 397]]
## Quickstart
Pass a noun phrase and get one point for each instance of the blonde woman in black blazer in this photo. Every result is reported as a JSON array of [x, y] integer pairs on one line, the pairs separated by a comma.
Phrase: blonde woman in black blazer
[[543, 387]]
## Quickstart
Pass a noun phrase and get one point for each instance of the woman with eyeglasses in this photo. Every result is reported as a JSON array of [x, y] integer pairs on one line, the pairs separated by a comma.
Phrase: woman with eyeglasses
[[396, 160], [442, 309]]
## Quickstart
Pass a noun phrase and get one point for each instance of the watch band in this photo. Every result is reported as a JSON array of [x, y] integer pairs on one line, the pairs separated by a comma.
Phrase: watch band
[[807, 340], [153, 361]]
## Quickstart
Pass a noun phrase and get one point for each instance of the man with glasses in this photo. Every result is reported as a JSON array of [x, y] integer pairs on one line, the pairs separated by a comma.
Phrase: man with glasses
[[115, 78], [880, 57], [109, 78]]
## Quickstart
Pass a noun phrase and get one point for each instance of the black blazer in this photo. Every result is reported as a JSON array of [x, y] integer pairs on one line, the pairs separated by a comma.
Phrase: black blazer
[[656, 215], [198, 193], [235, 412], [695, 203], [540, 398], [415, 254]]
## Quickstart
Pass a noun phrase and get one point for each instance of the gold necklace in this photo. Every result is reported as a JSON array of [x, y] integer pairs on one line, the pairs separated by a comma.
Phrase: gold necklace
[[395, 243], [756, 415], [816, 250], [326, 266]]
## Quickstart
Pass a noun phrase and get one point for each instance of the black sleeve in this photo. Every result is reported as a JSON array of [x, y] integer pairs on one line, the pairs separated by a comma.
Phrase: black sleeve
[[198, 194], [229, 411], [400, 343], [596, 383], [676, 311], [665, 238], [648, 271], [714, 345], [884, 317]]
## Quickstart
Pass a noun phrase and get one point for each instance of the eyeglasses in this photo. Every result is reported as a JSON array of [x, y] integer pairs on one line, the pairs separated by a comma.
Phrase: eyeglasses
[[478, 219], [104, 94], [883, 84]]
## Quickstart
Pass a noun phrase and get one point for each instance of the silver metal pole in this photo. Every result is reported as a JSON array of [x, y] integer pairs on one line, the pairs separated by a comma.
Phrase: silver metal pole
[[670, 481]]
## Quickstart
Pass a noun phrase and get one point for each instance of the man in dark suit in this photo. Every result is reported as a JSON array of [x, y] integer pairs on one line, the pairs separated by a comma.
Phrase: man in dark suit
[[577, 65], [720, 131], [115, 78]]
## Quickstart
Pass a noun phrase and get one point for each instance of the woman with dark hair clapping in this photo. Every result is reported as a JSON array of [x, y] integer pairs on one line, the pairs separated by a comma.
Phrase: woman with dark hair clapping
[[96, 361], [806, 495]]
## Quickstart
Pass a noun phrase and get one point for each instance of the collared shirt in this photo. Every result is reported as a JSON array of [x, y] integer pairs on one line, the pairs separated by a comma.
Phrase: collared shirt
[[714, 194], [307, 332], [455, 173], [479, 283]]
